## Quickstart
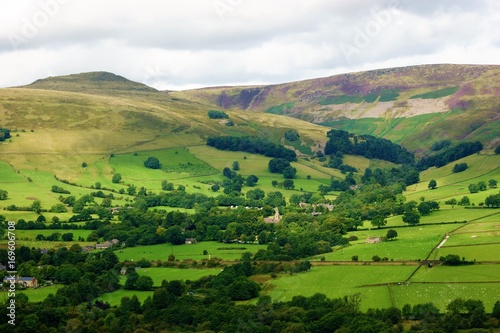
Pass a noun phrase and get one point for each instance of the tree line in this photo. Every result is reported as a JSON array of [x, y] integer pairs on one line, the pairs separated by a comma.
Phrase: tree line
[[253, 145]]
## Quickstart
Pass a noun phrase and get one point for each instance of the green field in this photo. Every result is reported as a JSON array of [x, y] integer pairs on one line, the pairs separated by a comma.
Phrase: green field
[[114, 298], [488, 252], [41, 293], [442, 294], [169, 274], [181, 252], [338, 281], [454, 274], [412, 243]]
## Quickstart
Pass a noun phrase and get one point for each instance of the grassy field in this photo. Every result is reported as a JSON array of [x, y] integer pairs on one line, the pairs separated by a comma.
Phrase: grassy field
[[114, 298], [412, 243], [454, 274], [41, 293], [442, 294], [337, 281], [194, 251], [169, 274], [488, 252]]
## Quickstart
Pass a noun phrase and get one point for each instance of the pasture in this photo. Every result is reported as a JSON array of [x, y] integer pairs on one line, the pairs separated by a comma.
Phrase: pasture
[[412, 243], [338, 281], [114, 298], [40, 293], [442, 294], [194, 251], [158, 274], [486, 252]]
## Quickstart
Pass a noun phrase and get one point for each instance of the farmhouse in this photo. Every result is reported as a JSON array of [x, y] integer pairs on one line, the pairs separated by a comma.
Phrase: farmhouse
[[373, 240], [190, 241], [27, 282]]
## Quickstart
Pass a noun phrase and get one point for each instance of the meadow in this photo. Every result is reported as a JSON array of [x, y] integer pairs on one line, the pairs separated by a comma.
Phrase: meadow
[[188, 251], [169, 274], [338, 281]]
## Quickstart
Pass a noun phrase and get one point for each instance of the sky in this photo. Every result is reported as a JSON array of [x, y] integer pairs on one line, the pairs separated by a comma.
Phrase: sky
[[177, 45]]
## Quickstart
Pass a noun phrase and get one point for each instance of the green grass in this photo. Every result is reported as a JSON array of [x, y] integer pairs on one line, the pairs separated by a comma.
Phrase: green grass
[[437, 93], [169, 274], [488, 252], [114, 298], [338, 281], [442, 294], [412, 243], [474, 238], [280, 109], [194, 251], [454, 274], [41, 293]]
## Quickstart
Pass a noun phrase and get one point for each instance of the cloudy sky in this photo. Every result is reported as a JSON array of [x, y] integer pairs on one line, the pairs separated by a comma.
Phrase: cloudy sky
[[187, 44]]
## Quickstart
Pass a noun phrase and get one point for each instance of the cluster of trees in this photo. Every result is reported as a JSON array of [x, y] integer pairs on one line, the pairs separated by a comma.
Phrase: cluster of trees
[[4, 195], [368, 146], [59, 189], [442, 144], [292, 135], [216, 114], [492, 200], [459, 167], [481, 186], [152, 163], [4, 134], [449, 155], [253, 145], [281, 165]]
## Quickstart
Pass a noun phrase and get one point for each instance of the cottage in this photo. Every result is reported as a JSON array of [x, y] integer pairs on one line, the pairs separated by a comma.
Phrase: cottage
[[27, 282], [373, 240], [105, 245], [87, 248], [190, 241]]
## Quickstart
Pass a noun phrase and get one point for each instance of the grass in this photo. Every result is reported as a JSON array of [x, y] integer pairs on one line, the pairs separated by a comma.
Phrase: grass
[[488, 252], [442, 294], [41, 293], [114, 298], [194, 251], [454, 274], [412, 243], [169, 274], [280, 109], [338, 281], [437, 93]]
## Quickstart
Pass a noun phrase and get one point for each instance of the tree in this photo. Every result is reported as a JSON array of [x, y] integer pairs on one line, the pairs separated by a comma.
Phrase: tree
[[411, 217], [378, 221], [236, 166], [277, 165], [84, 165], [432, 184], [482, 186], [216, 114], [452, 202], [152, 163], [4, 195], [215, 187], [288, 184], [473, 188], [460, 167], [175, 235], [289, 172], [274, 183], [36, 206], [251, 180], [391, 234], [144, 283], [117, 178], [497, 150], [256, 194], [465, 201], [492, 183], [292, 135], [67, 237], [492, 200]]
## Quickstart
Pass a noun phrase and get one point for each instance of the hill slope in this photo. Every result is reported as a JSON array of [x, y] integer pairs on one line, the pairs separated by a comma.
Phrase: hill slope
[[411, 105]]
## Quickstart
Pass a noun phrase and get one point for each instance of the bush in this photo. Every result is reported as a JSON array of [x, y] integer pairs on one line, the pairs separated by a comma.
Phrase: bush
[[460, 167], [216, 114], [152, 163]]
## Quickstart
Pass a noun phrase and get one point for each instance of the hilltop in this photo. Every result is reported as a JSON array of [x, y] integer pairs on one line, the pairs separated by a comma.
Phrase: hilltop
[[92, 82]]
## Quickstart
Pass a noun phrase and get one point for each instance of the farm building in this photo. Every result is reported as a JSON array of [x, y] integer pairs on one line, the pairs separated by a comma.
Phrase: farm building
[[190, 241], [373, 240], [27, 282]]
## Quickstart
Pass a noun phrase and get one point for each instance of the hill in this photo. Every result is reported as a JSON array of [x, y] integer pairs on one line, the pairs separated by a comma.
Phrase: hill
[[414, 106], [93, 82]]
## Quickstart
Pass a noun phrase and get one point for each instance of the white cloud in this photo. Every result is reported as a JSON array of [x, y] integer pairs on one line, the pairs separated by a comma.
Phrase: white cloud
[[195, 43]]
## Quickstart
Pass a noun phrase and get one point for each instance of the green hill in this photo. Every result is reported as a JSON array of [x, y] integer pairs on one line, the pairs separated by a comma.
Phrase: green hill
[[414, 106]]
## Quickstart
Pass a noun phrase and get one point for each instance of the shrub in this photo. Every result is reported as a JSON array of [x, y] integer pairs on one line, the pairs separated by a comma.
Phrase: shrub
[[460, 167]]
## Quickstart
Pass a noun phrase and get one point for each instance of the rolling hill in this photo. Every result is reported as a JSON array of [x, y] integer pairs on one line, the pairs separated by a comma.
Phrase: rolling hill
[[413, 106]]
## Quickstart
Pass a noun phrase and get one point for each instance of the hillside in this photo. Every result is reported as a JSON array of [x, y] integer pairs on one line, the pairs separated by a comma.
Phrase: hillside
[[411, 105]]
